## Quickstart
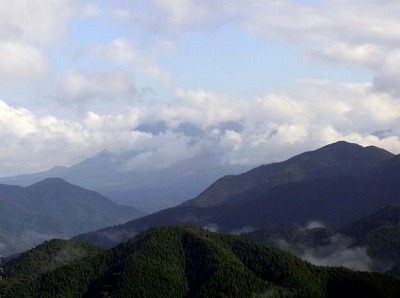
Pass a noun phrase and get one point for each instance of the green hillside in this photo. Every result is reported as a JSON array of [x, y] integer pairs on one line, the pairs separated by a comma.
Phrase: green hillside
[[184, 262]]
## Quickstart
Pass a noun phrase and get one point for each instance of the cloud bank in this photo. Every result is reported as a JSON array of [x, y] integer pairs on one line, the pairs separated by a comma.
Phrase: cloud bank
[[80, 77]]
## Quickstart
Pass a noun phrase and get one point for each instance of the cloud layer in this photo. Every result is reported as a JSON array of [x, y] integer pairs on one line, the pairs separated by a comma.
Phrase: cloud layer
[[102, 72], [246, 130]]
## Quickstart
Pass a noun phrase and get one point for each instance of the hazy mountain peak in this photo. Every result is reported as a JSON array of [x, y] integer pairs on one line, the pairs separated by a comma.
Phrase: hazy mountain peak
[[52, 180]]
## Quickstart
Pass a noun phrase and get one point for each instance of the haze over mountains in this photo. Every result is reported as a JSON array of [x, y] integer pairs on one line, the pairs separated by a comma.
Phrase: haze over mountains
[[328, 206], [370, 243], [146, 189], [336, 184], [53, 208]]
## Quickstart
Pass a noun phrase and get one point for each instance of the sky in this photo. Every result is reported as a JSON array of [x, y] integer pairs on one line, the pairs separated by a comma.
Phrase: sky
[[252, 82]]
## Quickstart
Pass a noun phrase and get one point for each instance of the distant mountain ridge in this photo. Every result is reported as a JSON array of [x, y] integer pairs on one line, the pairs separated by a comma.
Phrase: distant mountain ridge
[[336, 184], [148, 190], [53, 208], [338, 159]]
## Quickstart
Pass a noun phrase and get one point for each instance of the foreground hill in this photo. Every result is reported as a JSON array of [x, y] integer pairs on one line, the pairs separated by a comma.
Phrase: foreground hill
[[183, 262], [53, 208], [336, 184], [369, 243], [146, 189]]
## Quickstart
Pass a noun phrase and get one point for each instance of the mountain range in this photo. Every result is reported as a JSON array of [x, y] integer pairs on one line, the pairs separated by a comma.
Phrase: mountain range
[[335, 206], [181, 262], [149, 190], [53, 208], [336, 184]]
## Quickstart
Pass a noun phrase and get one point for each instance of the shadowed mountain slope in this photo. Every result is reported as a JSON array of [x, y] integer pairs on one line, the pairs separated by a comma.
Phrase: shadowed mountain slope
[[338, 159], [339, 184], [53, 208]]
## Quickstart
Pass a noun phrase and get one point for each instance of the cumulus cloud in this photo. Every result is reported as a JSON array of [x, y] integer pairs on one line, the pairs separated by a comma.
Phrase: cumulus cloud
[[247, 130], [31, 142], [162, 150]]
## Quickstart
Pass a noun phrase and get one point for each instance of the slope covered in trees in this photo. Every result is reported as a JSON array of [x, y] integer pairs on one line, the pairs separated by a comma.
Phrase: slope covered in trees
[[185, 262]]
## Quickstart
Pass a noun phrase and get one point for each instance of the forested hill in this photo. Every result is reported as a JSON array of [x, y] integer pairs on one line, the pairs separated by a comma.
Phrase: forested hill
[[182, 262], [53, 208]]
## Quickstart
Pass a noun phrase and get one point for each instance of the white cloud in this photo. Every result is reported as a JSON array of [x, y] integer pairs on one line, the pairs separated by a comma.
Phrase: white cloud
[[261, 129], [159, 151], [354, 33], [18, 60], [30, 21], [111, 85], [26, 28], [205, 109], [122, 51], [31, 142]]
